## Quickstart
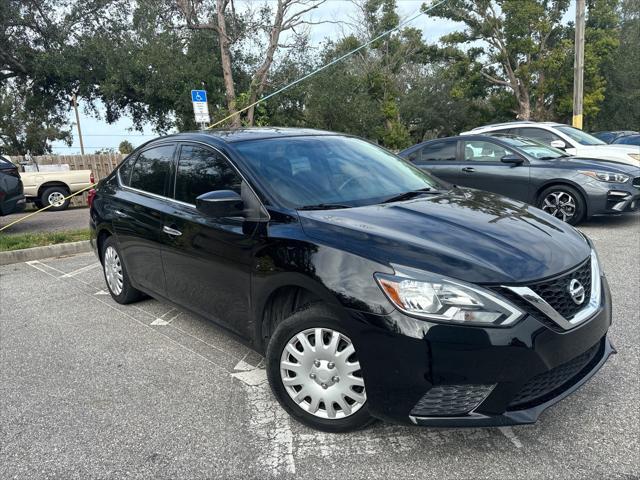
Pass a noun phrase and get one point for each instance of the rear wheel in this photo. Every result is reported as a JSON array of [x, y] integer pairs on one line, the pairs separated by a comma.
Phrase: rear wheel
[[116, 274], [314, 371], [55, 196], [563, 202]]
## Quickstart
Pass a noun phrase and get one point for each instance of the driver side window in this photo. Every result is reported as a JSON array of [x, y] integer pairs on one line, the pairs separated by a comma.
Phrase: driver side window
[[482, 151]]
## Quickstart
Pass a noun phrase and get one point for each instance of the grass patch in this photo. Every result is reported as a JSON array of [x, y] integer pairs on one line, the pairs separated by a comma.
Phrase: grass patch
[[28, 240]]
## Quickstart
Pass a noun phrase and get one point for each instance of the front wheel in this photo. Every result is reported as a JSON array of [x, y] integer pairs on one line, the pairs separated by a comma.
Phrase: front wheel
[[563, 202], [315, 373]]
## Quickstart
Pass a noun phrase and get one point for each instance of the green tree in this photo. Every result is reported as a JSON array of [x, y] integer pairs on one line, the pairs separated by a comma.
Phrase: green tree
[[125, 147], [518, 40], [620, 108]]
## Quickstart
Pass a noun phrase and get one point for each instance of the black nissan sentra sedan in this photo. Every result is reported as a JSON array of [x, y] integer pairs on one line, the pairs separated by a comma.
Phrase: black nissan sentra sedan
[[373, 289]]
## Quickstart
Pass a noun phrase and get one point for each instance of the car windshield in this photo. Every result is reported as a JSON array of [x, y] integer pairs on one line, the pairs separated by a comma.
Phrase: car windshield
[[533, 148], [330, 171], [580, 136]]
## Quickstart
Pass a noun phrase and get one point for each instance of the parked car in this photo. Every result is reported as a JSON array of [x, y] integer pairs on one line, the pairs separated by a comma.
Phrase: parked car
[[570, 139], [373, 289], [628, 140], [51, 187], [611, 137], [11, 190], [567, 187]]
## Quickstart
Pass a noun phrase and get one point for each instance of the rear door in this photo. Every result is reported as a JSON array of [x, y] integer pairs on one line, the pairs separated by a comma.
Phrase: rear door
[[138, 210], [484, 170], [208, 260], [439, 158]]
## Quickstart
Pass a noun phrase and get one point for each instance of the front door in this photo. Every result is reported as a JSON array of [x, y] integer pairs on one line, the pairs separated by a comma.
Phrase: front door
[[482, 169], [138, 210], [208, 261]]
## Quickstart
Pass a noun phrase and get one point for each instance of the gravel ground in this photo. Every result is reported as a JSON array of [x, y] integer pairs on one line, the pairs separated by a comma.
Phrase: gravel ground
[[92, 389], [74, 218]]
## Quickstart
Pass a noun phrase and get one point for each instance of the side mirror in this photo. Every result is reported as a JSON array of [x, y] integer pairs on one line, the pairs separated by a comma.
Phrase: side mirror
[[512, 159], [558, 144], [221, 203]]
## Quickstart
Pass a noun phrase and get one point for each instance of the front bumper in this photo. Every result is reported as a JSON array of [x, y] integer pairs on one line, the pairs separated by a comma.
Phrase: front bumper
[[403, 359]]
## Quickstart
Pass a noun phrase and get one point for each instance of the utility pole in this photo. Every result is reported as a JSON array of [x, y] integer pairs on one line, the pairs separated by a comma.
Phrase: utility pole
[[75, 107], [578, 66]]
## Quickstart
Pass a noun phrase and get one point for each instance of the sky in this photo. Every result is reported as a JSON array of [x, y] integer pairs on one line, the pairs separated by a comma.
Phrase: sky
[[98, 134]]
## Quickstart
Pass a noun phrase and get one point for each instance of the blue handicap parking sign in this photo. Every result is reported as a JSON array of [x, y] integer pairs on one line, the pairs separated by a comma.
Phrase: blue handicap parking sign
[[198, 95]]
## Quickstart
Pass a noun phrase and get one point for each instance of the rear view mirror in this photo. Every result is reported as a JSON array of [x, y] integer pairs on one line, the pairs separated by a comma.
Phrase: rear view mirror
[[558, 144], [220, 203], [512, 159]]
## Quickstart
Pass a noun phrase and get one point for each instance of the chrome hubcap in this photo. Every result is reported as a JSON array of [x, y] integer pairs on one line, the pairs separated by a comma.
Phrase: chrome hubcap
[[113, 270], [560, 204], [56, 199], [321, 373]]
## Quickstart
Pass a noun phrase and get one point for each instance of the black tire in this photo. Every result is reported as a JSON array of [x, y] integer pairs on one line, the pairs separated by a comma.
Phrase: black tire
[[38, 204], [127, 294], [312, 316], [563, 192], [50, 192]]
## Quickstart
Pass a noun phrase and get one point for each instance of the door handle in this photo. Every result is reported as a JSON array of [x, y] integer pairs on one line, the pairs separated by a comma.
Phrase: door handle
[[171, 231], [468, 169], [121, 214]]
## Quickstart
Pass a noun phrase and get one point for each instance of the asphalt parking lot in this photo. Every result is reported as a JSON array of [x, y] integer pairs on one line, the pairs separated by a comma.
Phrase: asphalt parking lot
[[93, 389], [74, 218]]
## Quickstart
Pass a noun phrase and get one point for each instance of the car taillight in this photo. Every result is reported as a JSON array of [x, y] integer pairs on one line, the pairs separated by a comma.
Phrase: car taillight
[[90, 196], [92, 179]]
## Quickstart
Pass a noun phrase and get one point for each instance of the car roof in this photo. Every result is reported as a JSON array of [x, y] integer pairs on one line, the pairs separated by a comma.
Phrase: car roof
[[516, 124], [467, 136], [233, 135]]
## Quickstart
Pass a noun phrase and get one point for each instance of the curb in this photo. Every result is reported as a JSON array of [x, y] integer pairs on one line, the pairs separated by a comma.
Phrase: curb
[[38, 253]]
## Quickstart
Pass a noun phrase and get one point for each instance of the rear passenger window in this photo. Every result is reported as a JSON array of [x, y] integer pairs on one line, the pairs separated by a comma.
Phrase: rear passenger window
[[152, 169], [201, 170], [438, 152]]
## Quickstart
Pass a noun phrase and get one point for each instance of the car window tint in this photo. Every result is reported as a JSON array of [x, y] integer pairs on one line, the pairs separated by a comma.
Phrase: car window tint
[[151, 170], [438, 152], [125, 170], [481, 151], [544, 136], [201, 170]]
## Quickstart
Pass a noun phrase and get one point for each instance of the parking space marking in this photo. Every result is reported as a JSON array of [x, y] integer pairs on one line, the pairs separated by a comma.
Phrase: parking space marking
[[81, 270], [511, 435], [270, 423], [36, 264]]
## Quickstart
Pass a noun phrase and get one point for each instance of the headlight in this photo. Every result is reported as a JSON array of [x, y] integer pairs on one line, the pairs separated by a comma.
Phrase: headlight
[[606, 176], [434, 297]]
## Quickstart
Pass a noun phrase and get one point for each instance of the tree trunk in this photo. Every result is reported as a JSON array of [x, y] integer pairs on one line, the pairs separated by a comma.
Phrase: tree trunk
[[225, 56], [524, 103], [259, 80]]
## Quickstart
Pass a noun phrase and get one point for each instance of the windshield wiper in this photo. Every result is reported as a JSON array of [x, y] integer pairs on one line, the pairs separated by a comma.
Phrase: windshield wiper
[[324, 206], [408, 195]]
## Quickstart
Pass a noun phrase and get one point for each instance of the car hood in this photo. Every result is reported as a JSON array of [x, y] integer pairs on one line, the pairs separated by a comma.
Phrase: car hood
[[619, 153], [466, 234], [595, 164]]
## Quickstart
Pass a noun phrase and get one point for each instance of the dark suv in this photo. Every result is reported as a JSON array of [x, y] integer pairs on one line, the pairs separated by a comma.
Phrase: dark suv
[[373, 289]]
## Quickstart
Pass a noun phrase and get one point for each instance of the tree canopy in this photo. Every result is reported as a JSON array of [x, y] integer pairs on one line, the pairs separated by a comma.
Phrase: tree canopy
[[138, 59]]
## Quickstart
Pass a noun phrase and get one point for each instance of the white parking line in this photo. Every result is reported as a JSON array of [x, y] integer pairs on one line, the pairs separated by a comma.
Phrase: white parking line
[[81, 270], [511, 435]]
